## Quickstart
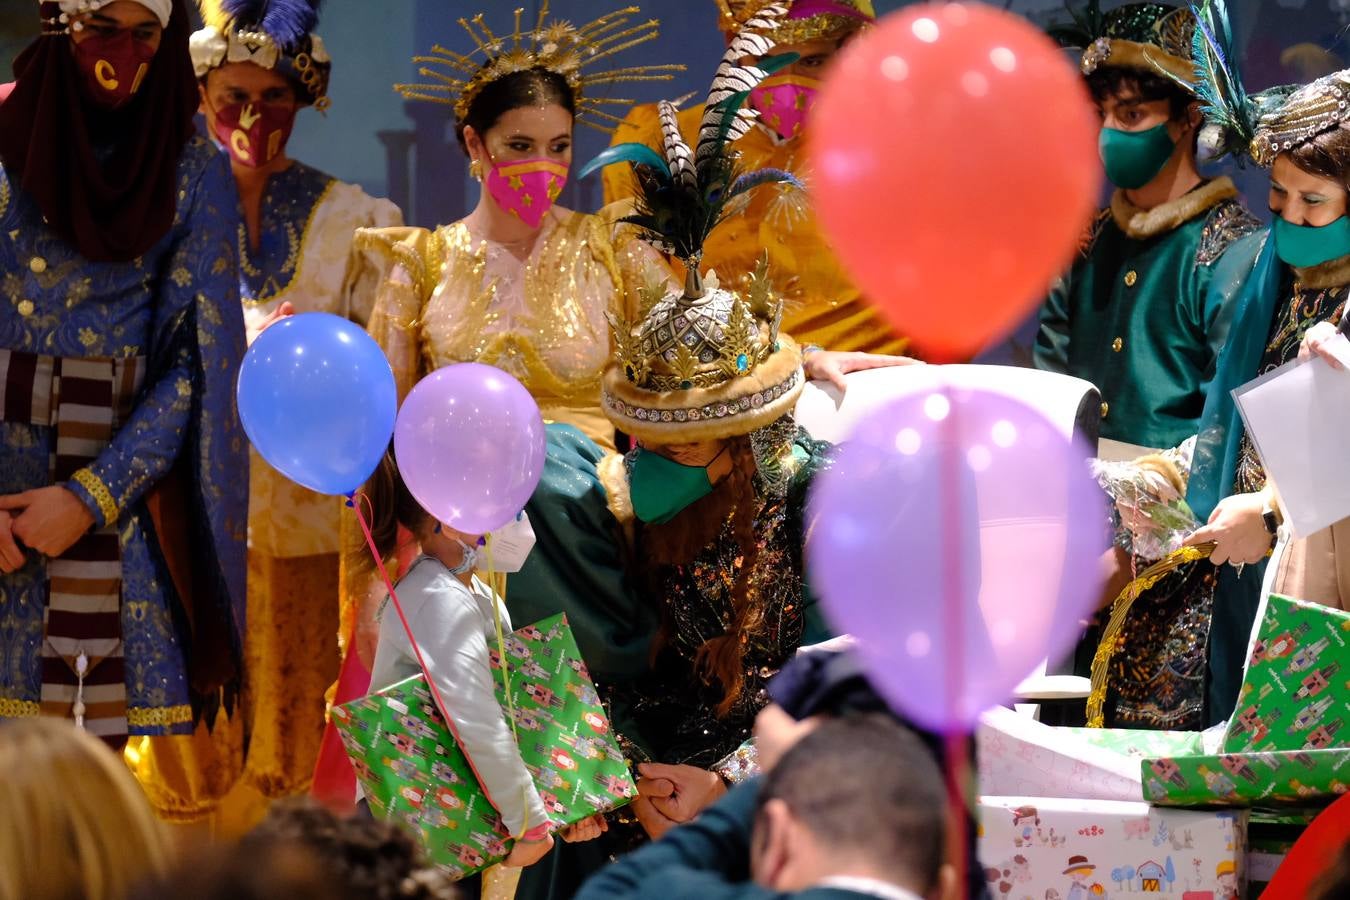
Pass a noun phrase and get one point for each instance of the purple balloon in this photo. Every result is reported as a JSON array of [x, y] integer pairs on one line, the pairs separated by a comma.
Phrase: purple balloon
[[957, 536], [470, 446]]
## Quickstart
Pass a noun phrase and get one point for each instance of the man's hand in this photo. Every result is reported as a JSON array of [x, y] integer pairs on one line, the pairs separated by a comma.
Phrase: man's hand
[[11, 557], [49, 520], [692, 790], [832, 366]]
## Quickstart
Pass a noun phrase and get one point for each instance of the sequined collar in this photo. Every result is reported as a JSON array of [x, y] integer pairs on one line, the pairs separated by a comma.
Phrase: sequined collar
[[1145, 223], [289, 201], [1331, 274]]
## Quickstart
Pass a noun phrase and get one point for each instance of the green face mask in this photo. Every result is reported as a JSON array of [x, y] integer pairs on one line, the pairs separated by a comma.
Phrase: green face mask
[[1134, 158], [661, 488], [1311, 245]]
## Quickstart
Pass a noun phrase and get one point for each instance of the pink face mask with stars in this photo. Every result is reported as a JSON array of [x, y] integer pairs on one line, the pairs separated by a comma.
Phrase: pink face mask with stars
[[784, 102], [527, 188]]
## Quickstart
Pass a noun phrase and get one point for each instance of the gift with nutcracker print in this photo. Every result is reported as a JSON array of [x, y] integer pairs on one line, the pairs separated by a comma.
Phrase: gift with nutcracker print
[[1275, 778], [1296, 690], [414, 773]]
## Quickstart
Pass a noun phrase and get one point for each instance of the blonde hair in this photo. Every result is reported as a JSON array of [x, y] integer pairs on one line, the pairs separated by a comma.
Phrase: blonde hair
[[73, 820]]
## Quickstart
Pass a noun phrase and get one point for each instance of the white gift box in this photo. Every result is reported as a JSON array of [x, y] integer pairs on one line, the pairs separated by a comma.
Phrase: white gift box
[[1020, 757], [1038, 848]]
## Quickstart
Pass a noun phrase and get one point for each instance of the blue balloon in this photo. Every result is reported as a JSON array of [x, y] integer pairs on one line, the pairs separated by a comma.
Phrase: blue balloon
[[318, 401]]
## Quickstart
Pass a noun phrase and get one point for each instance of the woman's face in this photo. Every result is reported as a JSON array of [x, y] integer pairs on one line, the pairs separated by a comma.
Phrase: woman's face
[[1302, 198], [124, 15], [812, 57], [527, 132]]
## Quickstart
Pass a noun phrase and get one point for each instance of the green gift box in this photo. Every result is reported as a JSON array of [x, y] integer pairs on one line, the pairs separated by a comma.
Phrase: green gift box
[[1137, 742], [1296, 691], [413, 771], [1247, 779]]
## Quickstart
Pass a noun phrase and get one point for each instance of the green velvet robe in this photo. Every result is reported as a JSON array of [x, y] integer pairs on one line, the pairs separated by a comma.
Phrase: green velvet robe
[[1134, 315]]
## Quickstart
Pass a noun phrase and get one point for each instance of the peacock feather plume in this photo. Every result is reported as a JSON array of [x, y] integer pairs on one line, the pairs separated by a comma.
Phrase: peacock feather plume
[[683, 194]]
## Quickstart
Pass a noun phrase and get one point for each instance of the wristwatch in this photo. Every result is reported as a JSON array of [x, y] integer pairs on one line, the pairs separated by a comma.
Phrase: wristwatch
[[1271, 517]]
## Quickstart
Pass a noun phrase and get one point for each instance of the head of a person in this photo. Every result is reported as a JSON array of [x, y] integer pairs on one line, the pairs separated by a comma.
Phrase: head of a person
[[858, 796], [372, 860], [1305, 140], [527, 115], [813, 31], [236, 872], [1149, 121], [73, 820], [115, 45], [250, 109], [393, 506]]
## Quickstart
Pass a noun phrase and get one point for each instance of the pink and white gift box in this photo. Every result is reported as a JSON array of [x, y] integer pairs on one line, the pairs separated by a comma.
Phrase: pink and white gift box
[[1038, 848], [1019, 756]]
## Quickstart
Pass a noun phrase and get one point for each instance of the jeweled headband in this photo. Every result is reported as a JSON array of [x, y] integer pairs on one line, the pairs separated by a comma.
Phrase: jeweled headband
[[1309, 111]]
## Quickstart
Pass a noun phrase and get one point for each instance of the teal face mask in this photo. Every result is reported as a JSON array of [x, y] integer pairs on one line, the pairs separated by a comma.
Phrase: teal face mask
[[1134, 158], [661, 488], [1302, 246]]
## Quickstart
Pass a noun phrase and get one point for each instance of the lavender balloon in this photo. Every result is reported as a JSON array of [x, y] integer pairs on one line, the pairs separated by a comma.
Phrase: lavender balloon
[[470, 446], [957, 536]]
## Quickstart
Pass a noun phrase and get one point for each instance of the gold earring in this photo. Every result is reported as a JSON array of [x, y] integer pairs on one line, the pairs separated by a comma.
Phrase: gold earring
[[476, 170]]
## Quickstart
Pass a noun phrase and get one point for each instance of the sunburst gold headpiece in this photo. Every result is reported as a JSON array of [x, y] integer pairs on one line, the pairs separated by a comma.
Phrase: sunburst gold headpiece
[[557, 46]]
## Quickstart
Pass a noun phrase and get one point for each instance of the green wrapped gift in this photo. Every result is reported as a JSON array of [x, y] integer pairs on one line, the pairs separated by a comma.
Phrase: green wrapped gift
[[1296, 691], [413, 772], [1137, 742], [1247, 779]]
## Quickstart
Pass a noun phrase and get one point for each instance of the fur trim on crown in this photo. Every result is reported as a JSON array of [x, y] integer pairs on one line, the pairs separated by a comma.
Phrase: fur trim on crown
[[1143, 57], [736, 407]]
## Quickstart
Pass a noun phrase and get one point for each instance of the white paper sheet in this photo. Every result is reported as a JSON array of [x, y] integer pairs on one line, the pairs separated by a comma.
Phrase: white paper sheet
[[1298, 416]]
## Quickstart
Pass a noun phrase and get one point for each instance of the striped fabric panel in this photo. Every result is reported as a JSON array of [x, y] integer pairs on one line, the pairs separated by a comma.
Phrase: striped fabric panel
[[84, 400]]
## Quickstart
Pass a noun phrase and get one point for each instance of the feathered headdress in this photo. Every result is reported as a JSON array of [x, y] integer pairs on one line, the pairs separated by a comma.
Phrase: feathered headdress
[[273, 34], [1152, 37], [557, 46], [684, 193], [1235, 119], [707, 362]]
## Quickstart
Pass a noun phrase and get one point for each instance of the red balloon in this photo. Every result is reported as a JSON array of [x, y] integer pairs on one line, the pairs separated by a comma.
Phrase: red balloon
[[955, 157]]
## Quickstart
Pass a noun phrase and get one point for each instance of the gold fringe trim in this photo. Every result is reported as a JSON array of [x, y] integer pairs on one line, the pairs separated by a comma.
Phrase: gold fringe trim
[[19, 709], [158, 716], [99, 491], [1145, 223], [1120, 610]]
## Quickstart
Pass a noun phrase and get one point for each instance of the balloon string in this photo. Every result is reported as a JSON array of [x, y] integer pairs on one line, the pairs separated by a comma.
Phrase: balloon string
[[417, 651], [953, 512]]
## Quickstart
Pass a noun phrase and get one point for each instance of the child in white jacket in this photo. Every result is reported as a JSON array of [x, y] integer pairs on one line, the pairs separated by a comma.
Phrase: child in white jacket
[[451, 614]]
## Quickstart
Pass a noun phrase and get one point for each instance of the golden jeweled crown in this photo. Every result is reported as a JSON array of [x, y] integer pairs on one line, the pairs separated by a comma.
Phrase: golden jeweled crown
[[680, 343], [558, 46]]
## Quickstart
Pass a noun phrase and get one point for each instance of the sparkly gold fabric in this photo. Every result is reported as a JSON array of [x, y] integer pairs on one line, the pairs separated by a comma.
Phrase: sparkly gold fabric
[[448, 296], [732, 14], [1309, 111]]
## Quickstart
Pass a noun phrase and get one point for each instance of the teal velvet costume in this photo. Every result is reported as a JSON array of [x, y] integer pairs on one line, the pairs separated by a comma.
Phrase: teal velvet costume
[[585, 564], [1135, 315]]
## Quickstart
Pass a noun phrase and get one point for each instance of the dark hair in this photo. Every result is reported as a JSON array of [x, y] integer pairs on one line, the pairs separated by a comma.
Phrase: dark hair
[[368, 858], [1326, 155], [1110, 81], [864, 785], [720, 657], [531, 87], [281, 872], [391, 505]]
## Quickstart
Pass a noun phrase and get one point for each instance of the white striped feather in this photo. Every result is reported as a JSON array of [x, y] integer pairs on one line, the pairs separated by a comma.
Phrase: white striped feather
[[678, 155], [751, 40]]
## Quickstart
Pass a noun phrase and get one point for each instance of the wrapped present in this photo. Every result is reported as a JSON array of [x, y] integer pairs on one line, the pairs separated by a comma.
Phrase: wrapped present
[[1296, 690], [1137, 743], [1302, 777], [413, 772], [1081, 849], [1019, 756]]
